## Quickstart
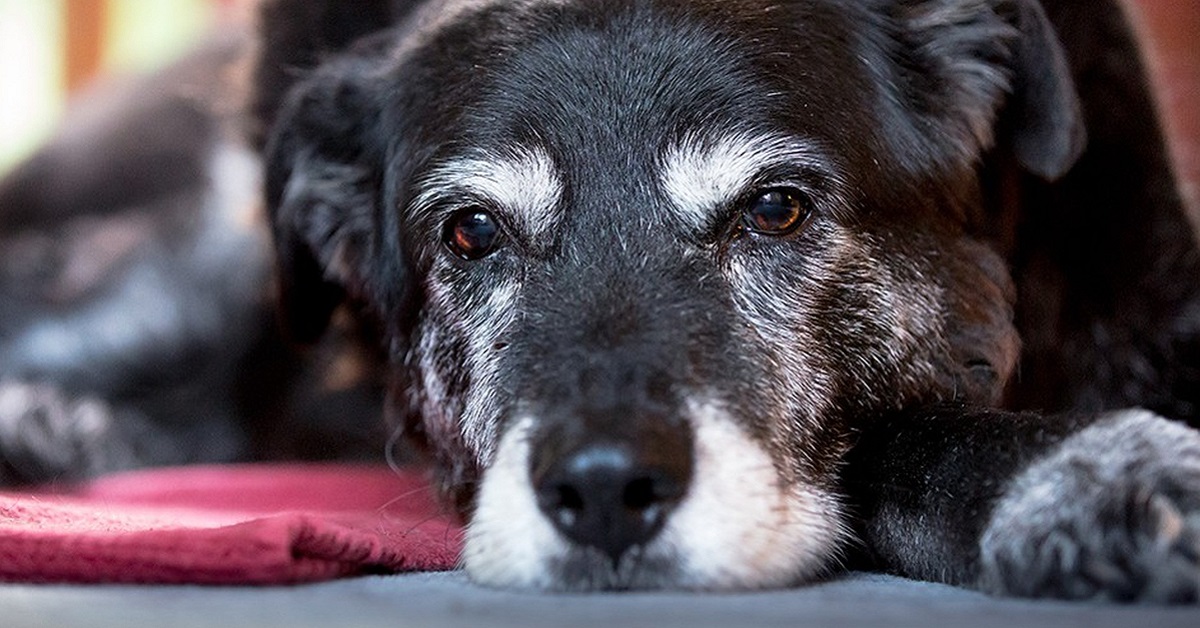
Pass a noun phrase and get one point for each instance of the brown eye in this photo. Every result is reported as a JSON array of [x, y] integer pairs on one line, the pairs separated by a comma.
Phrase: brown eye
[[472, 234], [777, 211]]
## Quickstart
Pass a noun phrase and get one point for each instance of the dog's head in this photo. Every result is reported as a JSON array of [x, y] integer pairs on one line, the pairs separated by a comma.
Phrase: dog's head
[[645, 266]]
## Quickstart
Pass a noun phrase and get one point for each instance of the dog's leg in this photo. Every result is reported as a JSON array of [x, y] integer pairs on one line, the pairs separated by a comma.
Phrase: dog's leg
[[1103, 507], [49, 435]]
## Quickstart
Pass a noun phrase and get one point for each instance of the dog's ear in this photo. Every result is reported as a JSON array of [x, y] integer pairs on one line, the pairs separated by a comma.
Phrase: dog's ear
[[295, 36], [321, 198], [313, 121], [978, 60], [1047, 131]]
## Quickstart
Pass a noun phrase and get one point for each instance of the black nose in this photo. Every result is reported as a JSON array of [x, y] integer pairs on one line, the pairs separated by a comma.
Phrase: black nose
[[611, 496]]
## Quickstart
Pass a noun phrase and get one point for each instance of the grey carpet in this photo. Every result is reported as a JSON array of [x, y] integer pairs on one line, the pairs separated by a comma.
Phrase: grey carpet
[[447, 599]]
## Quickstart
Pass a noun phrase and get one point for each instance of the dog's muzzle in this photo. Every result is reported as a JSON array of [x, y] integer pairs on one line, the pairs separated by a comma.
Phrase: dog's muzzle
[[622, 462]]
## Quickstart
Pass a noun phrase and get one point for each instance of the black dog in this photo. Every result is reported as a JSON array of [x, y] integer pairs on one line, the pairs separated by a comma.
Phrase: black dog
[[136, 320], [695, 294]]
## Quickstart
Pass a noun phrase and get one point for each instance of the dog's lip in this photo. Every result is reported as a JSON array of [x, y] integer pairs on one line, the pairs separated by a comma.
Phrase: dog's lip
[[590, 569]]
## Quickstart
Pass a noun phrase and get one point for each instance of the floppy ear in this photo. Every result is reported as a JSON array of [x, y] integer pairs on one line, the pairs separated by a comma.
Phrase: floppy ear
[[312, 120], [295, 36], [979, 60], [1047, 129], [322, 196]]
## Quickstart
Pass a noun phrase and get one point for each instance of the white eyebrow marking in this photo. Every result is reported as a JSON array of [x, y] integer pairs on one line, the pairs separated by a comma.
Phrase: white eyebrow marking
[[523, 183], [701, 176]]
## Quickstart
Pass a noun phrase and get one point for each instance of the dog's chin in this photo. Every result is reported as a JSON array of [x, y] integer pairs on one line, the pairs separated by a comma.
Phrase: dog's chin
[[739, 526]]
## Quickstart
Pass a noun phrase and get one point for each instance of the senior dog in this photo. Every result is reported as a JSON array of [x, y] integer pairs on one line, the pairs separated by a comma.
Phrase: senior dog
[[723, 294]]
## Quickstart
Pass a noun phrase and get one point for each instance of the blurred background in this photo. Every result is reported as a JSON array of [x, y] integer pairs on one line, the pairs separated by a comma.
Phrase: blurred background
[[50, 49]]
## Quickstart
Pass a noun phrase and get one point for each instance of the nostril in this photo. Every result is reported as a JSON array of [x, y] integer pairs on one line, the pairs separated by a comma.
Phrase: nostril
[[569, 498], [640, 494], [564, 506], [648, 492]]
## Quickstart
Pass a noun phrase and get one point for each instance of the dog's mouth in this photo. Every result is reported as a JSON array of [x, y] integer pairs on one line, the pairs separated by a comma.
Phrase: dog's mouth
[[604, 517]]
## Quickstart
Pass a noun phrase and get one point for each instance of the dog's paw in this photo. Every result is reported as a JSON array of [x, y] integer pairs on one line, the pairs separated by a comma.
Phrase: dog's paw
[[46, 434], [1112, 513]]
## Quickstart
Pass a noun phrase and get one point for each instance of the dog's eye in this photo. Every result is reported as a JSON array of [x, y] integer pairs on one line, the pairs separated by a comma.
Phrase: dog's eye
[[777, 211], [472, 234]]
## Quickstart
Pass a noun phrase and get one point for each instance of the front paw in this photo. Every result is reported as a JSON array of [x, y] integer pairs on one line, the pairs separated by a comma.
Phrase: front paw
[[46, 435], [1112, 513]]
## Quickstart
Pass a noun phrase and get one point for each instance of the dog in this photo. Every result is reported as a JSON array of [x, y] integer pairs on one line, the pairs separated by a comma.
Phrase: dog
[[719, 295], [136, 322]]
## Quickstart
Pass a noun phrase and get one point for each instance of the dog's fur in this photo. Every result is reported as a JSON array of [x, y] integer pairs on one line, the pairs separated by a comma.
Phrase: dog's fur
[[634, 387]]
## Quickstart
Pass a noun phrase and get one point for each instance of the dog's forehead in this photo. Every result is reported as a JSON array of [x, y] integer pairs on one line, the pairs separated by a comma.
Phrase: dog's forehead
[[627, 75], [624, 98]]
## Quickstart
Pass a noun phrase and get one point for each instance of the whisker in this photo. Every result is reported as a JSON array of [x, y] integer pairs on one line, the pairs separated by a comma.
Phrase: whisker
[[405, 495], [390, 446]]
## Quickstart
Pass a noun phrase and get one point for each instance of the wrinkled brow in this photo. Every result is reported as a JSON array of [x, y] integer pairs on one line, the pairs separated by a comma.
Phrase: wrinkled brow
[[522, 184], [702, 176]]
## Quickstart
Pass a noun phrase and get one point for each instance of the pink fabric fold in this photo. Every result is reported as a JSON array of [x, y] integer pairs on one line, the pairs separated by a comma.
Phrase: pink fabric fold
[[254, 524]]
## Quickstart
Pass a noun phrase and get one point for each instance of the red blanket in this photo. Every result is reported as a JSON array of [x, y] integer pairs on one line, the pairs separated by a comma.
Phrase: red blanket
[[226, 525]]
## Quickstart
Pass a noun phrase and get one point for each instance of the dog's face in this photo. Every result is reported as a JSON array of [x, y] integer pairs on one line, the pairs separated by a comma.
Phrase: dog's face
[[644, 267]]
